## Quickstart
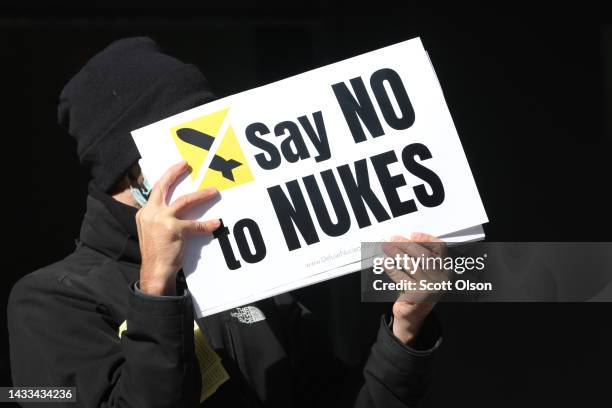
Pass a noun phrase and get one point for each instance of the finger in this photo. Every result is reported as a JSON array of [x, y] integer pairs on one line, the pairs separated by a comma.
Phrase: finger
[[398, 275], [410, 247], [437, 249], [159, 193], [403, 265], [421, 257], [434, 244], [200, 227], [423, 237], [401, 260], [187, 201], [410, 268]]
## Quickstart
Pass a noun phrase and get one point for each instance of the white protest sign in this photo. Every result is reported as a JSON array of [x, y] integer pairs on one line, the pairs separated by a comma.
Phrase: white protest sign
[[311, 166]]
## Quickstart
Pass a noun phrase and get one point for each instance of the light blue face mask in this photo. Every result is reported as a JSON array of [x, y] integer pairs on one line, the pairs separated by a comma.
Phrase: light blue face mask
[[141, 193]]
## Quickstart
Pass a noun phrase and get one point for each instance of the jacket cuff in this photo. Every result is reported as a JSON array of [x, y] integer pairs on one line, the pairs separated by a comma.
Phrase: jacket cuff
[[159, 343], [162, 306], [427, 340], [136, 288], [397, 371], [395, 363]]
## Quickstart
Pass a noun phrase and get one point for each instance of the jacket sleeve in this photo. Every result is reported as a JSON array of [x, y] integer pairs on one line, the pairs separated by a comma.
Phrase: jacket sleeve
[[394, 375], [62, 337], [397, 375]]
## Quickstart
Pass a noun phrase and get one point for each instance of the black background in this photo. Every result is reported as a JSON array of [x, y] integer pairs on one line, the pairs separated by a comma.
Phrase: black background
[[528, 87]]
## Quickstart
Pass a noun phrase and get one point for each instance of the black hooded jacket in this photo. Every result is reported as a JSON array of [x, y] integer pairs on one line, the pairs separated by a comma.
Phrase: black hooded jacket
[[64, 321]]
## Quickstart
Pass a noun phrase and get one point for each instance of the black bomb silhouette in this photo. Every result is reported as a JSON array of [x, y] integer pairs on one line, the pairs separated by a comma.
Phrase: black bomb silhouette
[[212, 134], [205, 141]]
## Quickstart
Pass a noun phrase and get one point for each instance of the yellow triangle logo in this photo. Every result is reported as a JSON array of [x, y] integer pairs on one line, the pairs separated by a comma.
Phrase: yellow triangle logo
[[228, 167], [191, 153]]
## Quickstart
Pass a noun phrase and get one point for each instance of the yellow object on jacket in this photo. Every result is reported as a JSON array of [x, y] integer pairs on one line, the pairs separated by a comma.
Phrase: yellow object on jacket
[[211, 370]]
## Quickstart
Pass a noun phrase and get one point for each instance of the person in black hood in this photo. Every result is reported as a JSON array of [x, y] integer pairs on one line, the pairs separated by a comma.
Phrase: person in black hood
[[115, 319]]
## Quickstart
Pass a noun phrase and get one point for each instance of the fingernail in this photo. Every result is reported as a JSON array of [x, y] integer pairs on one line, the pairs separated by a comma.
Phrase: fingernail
[[215, 223]]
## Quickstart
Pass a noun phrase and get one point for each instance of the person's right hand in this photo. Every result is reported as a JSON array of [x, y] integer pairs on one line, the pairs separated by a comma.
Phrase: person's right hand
[[162, 233]]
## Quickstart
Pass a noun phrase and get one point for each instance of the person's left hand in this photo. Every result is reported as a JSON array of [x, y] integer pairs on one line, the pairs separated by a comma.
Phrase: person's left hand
[[412, 307]]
